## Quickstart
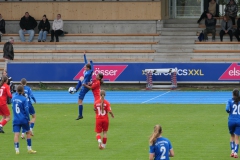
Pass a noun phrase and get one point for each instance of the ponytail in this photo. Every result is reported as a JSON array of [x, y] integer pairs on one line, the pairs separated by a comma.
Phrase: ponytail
[[236, 96], [102, 94], [3, 80], [156, 133], [100, 75]]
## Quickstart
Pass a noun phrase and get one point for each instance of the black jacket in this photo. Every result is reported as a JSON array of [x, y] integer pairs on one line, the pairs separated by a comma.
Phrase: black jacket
[[206, 5], [45, 26], [2, 26], [210, 23], [238, 24], [28, 24], [8, 52]]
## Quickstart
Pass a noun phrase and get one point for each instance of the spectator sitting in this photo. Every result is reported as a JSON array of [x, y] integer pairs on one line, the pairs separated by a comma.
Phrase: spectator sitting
[[210, 23], [2, 27], [57, 28], [27, 24], [8, 52], [43, 27], [212, 8], [226, 28], [237, 33], [231, 10]]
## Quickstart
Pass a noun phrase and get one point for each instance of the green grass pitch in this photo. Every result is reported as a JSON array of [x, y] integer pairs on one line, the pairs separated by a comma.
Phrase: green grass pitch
[[197, 132]]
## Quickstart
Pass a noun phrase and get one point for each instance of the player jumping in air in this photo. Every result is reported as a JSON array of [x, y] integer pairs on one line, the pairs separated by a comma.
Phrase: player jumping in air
[[28, 94], [102, 108], [95, 86], [83, 91], [160, 147], [4, 94], [21, 119], [233, 108]]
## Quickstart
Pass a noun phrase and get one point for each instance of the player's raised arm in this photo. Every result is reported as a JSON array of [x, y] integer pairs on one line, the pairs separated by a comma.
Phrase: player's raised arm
[[31, 95], [85, 58]]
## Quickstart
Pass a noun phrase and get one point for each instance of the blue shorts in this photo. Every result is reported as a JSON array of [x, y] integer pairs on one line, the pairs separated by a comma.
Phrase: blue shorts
[[83, 92], [31, 109], [17, 127], [234, 127]]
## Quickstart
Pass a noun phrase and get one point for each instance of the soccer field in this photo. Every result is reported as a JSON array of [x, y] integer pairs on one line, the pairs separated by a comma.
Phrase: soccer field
[[197, 132]]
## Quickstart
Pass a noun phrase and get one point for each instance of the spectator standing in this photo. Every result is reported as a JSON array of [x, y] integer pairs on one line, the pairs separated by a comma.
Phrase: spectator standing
[[57, 28], [2, 27], [27, 24], [231, 10], [212, 8], [8, 52], [43, 27], [226, 28], [237, 32], [210, 23]]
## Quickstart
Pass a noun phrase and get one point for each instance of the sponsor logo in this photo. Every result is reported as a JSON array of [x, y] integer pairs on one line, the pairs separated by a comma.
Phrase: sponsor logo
[[232, 73], [183, 72], [110, 72]]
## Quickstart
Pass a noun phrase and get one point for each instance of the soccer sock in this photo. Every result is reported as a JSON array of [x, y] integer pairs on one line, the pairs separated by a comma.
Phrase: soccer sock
[[99, 138], [16, 146], [3, 123], [232, 145], [29, 144], [31, 126], [80, 109], [104, 142], [236, 148]]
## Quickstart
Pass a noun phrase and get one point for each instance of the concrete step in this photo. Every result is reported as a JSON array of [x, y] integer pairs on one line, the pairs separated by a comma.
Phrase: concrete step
[[189, 26], [177, 33], [91, 38], [181, 21]]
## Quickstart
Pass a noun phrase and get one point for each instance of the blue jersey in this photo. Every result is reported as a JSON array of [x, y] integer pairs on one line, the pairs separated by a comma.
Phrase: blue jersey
[[87, 76], [28, 94], [233, 109], [161, 148], [20, 109]]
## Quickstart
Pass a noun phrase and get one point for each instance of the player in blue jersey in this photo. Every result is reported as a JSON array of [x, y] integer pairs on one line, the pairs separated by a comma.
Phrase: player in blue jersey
[[21, 119], [233, 108], [28, 94], [160, 147], [83, 90]]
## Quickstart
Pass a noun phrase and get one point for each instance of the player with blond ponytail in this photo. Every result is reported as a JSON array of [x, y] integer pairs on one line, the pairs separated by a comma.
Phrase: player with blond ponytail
[[160, 147], [102, 108]]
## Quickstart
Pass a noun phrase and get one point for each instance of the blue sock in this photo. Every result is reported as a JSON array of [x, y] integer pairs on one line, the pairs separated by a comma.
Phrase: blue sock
[[236, 148], [232, 145], [16, 145], [32, 125], [80, 110], [29, 142]]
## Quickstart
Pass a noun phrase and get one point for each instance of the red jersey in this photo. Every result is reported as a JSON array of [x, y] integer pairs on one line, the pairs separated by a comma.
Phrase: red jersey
[[106, 109], [96, 89], [4, 93]]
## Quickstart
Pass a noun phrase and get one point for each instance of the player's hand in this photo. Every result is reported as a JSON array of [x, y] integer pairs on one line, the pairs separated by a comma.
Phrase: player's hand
[[95, 109], [81, 78], [112, 116]]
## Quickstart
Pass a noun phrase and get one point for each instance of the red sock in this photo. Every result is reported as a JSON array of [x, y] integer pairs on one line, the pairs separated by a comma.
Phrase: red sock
[[4, 122], [104, 140], [98, 137]]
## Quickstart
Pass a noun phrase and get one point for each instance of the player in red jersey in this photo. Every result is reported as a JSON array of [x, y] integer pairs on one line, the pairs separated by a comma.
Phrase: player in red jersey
[[102, 108], [95, 86], [4, 94]]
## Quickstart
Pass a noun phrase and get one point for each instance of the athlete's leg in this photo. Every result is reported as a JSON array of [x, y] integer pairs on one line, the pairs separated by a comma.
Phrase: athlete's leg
[[16, 143], [29, 140], [32, 122], [80, 109], [236, 146], [104, 139]]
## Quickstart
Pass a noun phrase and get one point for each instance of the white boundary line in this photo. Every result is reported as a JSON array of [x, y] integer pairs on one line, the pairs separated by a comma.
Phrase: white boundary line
[[156, 97]]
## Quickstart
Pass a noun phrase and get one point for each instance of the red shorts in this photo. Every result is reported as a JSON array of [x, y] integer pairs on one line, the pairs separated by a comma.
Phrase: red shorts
[[4, 111], [101, 125]]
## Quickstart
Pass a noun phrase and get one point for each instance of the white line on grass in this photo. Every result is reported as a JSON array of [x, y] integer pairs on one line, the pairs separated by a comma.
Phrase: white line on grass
[[156, 97]]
